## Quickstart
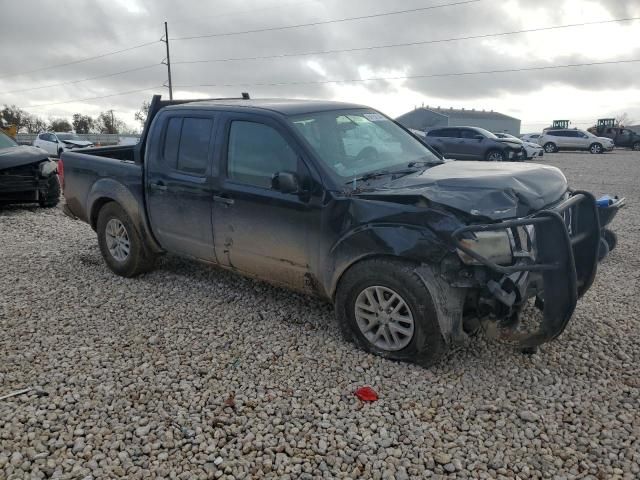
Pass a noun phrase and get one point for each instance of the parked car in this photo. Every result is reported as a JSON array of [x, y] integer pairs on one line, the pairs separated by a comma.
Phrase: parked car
[[530, 137], [554, 140], [340, 201], [533, 150], [27, 175], [473, 143], [55, 143], [622, 137]]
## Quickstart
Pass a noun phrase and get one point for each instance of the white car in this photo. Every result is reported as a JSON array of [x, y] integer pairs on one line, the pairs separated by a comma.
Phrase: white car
[[556, 139], [55, 143], [531, 137], [533, 149]]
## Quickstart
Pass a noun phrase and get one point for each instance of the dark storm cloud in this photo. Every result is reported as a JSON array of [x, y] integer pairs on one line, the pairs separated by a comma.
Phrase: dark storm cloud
[[40, 33]]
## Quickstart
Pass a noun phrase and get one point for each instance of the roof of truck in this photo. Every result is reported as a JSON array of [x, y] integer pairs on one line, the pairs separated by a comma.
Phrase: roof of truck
[[284, 106]]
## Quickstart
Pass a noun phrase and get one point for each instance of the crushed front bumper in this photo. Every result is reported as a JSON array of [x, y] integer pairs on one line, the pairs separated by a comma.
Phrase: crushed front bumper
[[567, 237]]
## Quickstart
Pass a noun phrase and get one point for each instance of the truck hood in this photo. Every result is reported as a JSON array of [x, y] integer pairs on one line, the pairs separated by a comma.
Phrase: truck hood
[[21, 155], [485, 189]]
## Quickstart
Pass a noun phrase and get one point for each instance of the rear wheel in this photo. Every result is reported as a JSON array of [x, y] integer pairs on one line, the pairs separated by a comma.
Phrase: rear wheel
[[550, 147], [385, 308], [595, 148], [50, 196], [120, 243], [495, 156], [636, 146]]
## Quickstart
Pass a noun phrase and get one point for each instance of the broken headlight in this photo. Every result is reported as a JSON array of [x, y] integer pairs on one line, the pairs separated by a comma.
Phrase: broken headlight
[[495, 246], [47, 168]]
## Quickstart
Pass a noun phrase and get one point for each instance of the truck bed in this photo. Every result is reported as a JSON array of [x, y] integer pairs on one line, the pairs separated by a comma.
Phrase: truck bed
[[100, 173]]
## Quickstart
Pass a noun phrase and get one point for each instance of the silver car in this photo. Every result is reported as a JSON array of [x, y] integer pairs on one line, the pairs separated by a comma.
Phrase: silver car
[[554, 140]]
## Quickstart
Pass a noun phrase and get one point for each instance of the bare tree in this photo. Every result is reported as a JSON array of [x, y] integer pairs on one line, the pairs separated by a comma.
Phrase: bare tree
[[60, 125], [141, 115], [82, 123], [623, 119]]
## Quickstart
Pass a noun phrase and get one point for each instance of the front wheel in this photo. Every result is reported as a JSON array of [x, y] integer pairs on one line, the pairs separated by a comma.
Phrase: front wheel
[[636, 146], [120, 243], [550, 147], [595, 148], [385, 308], [495, 156], [50, 196]]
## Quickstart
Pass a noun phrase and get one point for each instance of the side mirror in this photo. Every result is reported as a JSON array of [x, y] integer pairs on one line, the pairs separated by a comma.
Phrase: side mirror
[[479, 137], [285, 182]]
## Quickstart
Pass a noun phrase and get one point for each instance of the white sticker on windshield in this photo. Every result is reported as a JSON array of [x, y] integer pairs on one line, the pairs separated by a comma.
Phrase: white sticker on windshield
[[374, 117]]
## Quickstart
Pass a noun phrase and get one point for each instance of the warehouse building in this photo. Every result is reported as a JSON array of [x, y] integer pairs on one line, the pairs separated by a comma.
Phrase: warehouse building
[[426, 118]]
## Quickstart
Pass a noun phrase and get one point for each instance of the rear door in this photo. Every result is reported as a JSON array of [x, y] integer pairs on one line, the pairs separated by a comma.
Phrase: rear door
[[179, 184], [470, 147], [258, 230], [445, 140]]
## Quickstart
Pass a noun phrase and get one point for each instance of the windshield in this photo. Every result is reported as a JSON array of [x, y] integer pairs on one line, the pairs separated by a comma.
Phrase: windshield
[[6, 141], [353, 143], [67, 136]]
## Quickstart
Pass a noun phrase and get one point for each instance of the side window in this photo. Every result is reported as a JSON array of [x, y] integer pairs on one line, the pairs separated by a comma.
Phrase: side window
[[194, 145], [186, 144], [468, 134], [256, 152], [172, 143], [445, 132], [553, 133]]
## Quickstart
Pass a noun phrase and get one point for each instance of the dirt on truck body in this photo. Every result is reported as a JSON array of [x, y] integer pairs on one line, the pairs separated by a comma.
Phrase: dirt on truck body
[[341, 201]]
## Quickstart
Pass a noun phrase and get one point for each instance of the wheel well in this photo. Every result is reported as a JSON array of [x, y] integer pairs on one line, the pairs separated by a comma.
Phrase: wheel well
[[95, 210], [367, 259]]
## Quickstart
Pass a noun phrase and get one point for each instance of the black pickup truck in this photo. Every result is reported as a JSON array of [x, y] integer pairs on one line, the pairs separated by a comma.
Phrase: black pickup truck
[[339, 201], [622, 137]]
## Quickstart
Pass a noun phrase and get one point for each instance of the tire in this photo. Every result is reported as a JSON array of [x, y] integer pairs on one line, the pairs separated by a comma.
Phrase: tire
[[494, 156], [595, 148], [550, 147], [603, 249], [611, 238], [424, 344], [137, 259], [50, 196], [636, 146]]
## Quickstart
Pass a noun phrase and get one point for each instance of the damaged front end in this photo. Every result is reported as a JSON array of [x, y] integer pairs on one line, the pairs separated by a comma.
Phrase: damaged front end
[[551, 255], [26, 183]]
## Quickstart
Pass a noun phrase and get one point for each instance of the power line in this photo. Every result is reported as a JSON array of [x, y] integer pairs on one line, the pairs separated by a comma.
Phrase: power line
[[92, 98], [73, 82], [408, 77], [325, 22], [75, 62], [394, 45]]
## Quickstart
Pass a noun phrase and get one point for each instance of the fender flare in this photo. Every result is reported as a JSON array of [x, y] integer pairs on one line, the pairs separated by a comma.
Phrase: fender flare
[[108, 190]]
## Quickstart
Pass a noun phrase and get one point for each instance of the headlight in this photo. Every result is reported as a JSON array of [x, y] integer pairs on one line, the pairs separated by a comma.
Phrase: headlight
[[48, 167], [494, 246]]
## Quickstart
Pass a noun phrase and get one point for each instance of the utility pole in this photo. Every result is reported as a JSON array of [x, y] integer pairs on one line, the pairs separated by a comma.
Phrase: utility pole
[[167, 61]]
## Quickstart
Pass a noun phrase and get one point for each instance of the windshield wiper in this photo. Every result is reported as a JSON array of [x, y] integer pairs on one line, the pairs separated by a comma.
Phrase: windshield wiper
[[425, 162], [381, 173]]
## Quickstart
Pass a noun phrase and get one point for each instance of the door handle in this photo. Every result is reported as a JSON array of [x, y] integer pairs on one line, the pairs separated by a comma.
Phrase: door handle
[[158, 186], [224, 200]]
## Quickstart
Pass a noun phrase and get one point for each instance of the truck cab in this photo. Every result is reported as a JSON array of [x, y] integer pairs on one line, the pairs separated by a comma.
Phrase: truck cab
[[339, 201]]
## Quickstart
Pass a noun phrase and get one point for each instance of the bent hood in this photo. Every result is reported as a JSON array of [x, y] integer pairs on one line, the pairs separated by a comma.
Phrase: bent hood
[[21, 155], [484, 189], [78, 143]]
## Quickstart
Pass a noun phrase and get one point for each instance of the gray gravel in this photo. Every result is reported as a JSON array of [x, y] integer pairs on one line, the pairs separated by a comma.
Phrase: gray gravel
[[192, 372]]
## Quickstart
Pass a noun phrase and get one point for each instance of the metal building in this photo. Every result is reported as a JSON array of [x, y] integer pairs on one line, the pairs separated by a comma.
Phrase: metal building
[[426, 118]]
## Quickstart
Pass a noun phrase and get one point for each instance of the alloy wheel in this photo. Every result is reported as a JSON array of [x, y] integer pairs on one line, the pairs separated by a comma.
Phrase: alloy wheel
[[384, 318], [117, 240]]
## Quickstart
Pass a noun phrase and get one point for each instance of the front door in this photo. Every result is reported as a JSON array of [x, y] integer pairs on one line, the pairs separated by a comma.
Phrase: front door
[[179, 193], [258, 230]]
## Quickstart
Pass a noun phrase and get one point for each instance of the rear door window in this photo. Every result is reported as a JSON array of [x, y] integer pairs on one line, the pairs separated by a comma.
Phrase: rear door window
[[187, 143], [445, 132]]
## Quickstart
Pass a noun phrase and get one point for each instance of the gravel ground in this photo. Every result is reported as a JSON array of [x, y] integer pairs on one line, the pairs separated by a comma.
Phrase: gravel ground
[[192, 372]]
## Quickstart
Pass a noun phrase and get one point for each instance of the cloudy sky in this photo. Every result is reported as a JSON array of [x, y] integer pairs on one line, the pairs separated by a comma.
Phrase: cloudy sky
[[36, 34]]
